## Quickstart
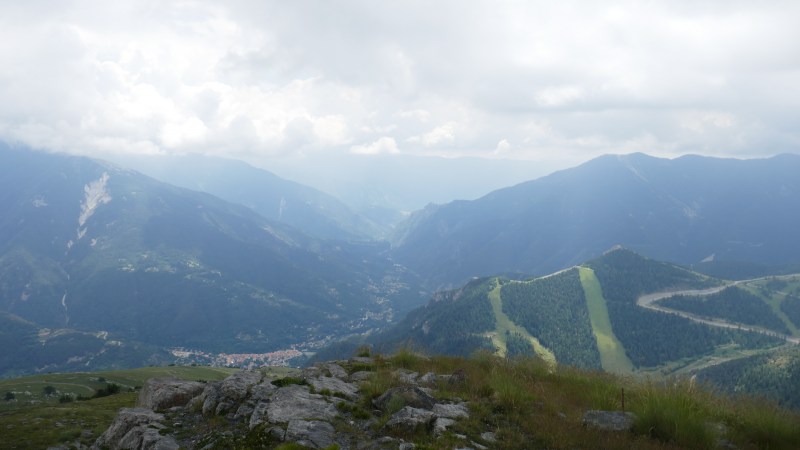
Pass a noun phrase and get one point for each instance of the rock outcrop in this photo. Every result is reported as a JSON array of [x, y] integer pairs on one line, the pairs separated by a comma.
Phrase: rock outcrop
[[406, 395], [136, 428], [163, 393], [320, 407]]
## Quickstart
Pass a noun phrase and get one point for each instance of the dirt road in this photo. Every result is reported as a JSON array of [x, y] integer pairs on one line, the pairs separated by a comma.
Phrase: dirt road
[[649, 301]]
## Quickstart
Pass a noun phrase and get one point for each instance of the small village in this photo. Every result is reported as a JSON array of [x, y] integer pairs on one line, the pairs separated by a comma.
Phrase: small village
[[242, 360]]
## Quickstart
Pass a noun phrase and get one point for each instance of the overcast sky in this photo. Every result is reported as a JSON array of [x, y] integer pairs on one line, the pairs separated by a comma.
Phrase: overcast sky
[[265, 81]]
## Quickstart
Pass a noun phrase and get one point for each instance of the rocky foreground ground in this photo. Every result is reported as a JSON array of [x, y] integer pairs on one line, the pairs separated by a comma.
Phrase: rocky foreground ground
[[324, 406]]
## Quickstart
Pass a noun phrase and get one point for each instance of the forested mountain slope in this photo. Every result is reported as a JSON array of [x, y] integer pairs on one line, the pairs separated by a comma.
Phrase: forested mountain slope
[[92, 247], [684, 210], [305, 208], [586, 316]]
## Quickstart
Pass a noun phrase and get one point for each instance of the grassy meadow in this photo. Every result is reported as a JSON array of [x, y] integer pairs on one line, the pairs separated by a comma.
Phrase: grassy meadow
[[45, 411], [612, 353], [505, 325]]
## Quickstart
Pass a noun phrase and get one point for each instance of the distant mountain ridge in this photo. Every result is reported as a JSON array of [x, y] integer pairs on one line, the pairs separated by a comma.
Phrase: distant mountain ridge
[[91, 247], [684, 210], [305, 208]]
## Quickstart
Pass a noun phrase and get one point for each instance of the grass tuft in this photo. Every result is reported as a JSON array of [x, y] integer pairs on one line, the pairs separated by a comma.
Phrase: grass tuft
[[406, 358], [676, 412], [764, 425]]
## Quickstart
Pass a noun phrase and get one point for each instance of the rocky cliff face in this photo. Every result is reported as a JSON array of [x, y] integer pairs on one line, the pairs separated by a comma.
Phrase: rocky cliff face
[[322, 407]]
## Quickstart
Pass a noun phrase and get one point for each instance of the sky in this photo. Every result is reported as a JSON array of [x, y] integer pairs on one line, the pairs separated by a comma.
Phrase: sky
[[304, 84]]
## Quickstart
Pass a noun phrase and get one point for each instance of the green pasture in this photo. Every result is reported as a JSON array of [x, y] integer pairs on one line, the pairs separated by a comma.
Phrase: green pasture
[[612, 353]]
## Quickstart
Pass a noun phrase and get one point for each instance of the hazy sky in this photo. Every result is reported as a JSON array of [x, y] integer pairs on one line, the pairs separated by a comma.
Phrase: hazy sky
[[551, 81]]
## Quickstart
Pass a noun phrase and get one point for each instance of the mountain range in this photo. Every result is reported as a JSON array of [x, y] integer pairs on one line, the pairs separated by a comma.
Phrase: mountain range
[[309, 210], [103, 266], [686, 210], [91, 247]]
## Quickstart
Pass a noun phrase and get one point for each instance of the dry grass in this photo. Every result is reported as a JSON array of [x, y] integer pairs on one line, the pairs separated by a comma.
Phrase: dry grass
[[529, 405]]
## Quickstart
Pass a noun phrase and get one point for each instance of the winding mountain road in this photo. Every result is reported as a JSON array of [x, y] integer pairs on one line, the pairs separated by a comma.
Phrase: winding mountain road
[[650, 301]]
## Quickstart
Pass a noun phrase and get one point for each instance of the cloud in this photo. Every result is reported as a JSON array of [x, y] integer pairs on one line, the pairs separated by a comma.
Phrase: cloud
[[700, 122], [443, 135], [502, 147], [381, 146], [267, 79]]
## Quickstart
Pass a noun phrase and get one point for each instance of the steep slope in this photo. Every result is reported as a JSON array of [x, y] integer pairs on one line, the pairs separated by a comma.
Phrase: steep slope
[[273, 197], [773, 375], [90, 246], [561, 313], [684, 210]]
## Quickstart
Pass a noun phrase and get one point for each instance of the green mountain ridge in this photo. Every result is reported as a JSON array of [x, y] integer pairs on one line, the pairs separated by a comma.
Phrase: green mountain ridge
[[587, 317]]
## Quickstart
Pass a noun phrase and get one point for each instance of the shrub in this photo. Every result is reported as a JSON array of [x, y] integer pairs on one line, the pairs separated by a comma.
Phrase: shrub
[[110, 389], [406, 358], [286, 381], [355, 410]]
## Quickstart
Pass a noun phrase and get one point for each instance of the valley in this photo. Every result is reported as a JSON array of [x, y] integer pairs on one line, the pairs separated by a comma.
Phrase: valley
[[105, 268], [367, 225]]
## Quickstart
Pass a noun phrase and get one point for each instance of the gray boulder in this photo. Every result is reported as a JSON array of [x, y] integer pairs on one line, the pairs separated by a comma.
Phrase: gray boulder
[[408, 395], [406, 376], [428, 378], [262, 391], [244, 411], [311, 372], [135, 428], [147, 438], [361, 375], [311, 433], [440, 425], [458, 411], [259, 414], [160, 394], [336, 371], [608, 420], [209, 398], [293, 402], [237, 386], [234, 389], [335, 386], [410, 419]]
